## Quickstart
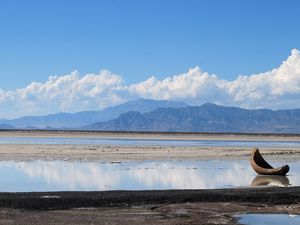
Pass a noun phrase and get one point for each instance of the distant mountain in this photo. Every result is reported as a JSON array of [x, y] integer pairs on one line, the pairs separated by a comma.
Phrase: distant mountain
[[74, 120], [205, 118], [4, 126]]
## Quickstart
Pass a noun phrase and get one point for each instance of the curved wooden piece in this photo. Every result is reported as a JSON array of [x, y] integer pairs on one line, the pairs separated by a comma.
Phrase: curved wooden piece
[[261, 167]]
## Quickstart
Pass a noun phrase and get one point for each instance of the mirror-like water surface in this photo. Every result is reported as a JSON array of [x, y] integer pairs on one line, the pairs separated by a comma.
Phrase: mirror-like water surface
[[274, 219], [111, 141], [96, 176]]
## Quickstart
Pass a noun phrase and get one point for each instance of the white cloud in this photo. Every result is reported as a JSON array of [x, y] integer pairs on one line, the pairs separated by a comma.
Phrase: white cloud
[[70, 92], [278, 88], [192, 84], [194, 87]]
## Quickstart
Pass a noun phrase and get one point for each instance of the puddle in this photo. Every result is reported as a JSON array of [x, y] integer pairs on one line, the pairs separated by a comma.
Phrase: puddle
[[274, 219], [18, 176], [153, 142], [270, 181]]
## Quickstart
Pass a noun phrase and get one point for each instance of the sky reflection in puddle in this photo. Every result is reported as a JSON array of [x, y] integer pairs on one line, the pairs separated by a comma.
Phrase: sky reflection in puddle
[[274, 219], [96, 176]]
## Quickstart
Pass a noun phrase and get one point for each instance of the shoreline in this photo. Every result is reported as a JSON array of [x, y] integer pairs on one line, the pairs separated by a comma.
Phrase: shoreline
[[219, 206], [119, 198], [108, 153], [150, 135], [139, 152]]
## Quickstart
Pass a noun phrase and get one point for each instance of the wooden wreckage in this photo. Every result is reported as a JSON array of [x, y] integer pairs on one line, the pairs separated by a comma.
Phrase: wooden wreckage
[[260, 165]]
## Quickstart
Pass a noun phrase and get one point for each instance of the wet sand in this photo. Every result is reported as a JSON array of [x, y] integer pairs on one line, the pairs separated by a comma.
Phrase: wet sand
[[204, 213], [144, 207], [132, 153]]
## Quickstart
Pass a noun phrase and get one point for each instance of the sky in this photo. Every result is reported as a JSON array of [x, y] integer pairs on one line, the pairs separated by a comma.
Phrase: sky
[[75, 55]]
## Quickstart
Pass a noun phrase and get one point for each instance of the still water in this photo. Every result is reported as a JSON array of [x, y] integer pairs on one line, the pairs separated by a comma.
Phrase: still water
[[112, 141], [274, 219], [23, 176]]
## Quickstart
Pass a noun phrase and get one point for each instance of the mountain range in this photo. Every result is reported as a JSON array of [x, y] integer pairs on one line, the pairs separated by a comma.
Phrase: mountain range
[[79, 119], [168, 116], [205, 118]]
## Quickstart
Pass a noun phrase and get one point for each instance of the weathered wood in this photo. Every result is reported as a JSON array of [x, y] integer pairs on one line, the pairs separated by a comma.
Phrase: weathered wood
[[260, 165]]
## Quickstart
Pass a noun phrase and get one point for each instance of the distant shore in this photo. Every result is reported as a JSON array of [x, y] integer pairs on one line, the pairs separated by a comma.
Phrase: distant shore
[[150, 134], [105, 152]]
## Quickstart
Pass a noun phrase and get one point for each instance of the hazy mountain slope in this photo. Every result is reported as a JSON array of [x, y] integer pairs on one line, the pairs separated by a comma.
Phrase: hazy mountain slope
[[6, 126], [206, 118], [73, 120]]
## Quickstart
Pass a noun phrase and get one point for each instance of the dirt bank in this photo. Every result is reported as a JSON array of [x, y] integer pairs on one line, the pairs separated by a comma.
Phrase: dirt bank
[[146, 207]]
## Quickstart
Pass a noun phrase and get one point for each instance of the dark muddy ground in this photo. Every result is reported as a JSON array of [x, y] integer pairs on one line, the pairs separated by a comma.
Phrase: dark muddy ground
[[145, 207], [172, 214]]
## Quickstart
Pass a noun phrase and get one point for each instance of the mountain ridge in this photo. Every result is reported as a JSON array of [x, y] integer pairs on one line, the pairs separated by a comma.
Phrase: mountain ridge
[[63, 120], [166, 116], [205, 118]]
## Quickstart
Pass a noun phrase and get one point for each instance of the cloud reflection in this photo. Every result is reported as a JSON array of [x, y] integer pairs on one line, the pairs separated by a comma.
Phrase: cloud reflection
[[61, 175], [169, 175], [70, 175]]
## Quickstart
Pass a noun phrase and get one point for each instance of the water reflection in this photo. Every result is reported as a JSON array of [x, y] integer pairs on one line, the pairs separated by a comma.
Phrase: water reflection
[[158, 142], [270, 180], [95, 176], [274, 219]]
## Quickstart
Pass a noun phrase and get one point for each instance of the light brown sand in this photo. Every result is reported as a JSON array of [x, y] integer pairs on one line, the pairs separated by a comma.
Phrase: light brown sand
[[124, 152]]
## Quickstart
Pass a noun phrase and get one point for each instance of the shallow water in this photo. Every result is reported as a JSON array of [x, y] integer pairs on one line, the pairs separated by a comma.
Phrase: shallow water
[[111, 141], [274, 219], [18, 176]]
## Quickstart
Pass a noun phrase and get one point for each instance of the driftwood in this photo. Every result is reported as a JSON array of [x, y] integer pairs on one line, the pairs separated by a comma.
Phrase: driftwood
[[261, 167]]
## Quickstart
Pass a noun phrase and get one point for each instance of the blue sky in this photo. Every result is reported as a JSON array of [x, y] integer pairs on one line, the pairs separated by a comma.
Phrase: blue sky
[[142, 38], [139, 39]]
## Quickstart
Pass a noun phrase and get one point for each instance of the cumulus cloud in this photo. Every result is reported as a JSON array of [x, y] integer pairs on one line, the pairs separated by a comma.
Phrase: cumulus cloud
[[193, 84], [275, 89], [70, 92], [278, 88]]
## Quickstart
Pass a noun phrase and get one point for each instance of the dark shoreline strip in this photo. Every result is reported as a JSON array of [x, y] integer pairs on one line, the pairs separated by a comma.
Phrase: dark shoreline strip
[[68, 200], [99, 132]]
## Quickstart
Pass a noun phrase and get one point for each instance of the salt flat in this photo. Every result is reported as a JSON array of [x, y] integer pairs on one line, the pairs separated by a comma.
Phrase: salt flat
[[115, 152], [219, 210]]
